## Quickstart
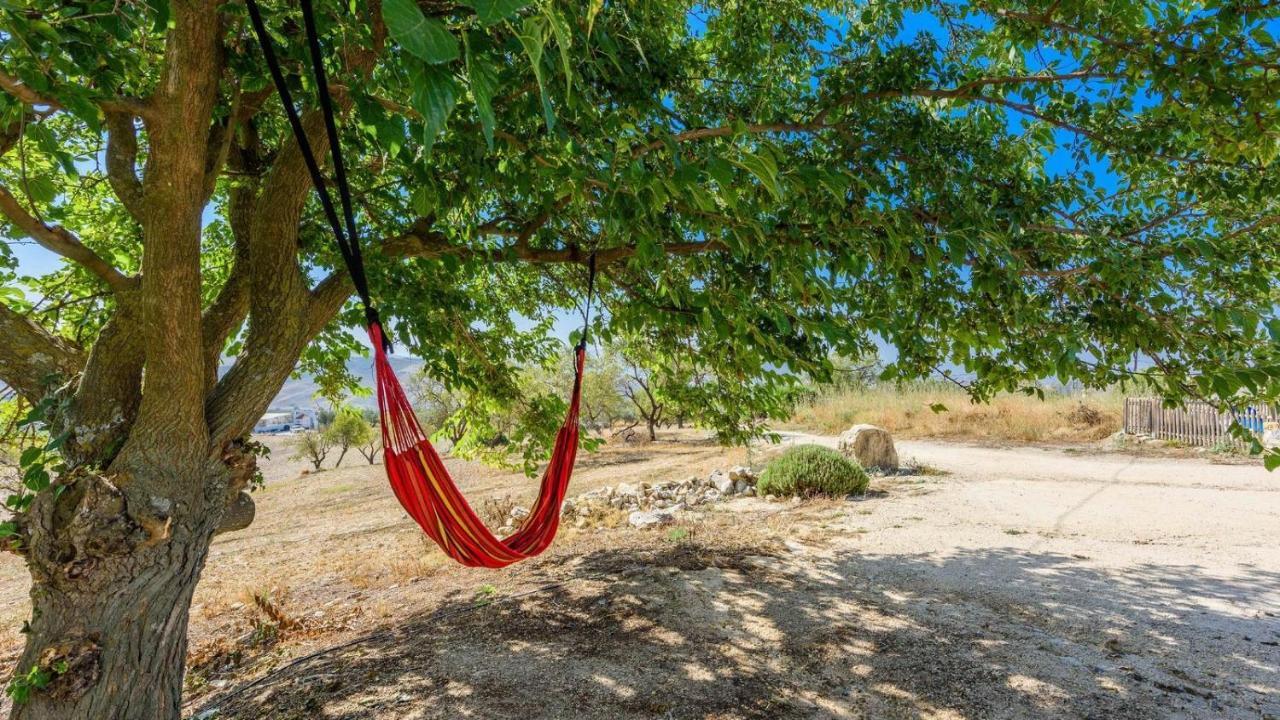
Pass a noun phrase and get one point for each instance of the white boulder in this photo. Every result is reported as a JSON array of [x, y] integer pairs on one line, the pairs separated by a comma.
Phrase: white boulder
[[871, 446]]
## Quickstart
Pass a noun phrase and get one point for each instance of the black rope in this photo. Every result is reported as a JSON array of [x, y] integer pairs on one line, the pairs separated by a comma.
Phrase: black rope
[[348, 242], [586, 313]]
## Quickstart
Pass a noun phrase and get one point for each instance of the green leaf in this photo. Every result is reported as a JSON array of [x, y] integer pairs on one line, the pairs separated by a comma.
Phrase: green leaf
[[593, 9], [424, 199], [434, 95], [29, 456], [764, 169], [533, 37], [484, 81], [563, 42], [41, 189], [489, 12], [1271, 460], [424, 37], [36, 478], [938, 407]]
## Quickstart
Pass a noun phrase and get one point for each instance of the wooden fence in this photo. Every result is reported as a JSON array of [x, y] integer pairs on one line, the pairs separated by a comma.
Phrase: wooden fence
[[1196, 423]]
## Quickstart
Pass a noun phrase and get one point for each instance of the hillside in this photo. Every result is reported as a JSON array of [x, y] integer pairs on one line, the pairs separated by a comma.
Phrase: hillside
[[300, 390]]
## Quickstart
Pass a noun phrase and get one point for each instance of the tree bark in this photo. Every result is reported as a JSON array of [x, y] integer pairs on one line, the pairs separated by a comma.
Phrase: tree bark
[[113, 571]]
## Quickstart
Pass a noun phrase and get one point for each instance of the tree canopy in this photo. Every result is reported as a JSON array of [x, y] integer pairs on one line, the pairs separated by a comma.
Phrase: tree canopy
[[1018, 191], [1013, 189]]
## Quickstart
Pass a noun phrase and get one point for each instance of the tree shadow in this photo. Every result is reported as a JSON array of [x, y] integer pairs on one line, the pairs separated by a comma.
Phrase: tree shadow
[[693, 631]]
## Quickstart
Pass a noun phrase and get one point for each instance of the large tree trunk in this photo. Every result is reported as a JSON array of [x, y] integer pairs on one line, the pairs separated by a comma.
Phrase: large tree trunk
[[113, 571]]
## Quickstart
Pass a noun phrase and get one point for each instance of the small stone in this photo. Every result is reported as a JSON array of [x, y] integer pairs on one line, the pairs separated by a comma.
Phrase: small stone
[[711, 495], [721, 482], [741, 486], [653, 518]]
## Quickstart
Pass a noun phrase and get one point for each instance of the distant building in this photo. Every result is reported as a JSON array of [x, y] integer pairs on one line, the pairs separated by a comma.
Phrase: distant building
[[285, 421]]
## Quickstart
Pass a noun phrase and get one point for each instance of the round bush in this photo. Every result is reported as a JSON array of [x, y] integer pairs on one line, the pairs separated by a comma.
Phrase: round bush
[[812, 470]]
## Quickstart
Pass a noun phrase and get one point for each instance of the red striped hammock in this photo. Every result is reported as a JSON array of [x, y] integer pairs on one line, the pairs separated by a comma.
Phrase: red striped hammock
[[423, 486], [418, 477]]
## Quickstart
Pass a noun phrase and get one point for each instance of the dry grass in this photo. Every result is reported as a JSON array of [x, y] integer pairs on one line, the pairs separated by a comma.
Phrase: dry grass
[[906, 412]]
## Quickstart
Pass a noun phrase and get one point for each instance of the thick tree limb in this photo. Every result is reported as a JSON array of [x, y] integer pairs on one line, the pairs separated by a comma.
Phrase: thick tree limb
[[122, 162], [62, 241], [171, 414], [231, 306], [106, 400], [327, 299], [31, 357], [421, 241], [280, 303]]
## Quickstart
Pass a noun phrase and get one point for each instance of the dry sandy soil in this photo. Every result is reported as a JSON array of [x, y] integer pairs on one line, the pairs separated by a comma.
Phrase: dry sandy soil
[[1024, 583]]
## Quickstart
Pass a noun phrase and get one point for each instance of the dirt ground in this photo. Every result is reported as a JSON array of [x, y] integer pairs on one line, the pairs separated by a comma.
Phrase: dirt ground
[[1015, 583]]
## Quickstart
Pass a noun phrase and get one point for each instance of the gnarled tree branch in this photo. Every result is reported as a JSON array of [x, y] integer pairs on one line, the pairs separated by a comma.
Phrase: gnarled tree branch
[[31, 358], [62, 241]]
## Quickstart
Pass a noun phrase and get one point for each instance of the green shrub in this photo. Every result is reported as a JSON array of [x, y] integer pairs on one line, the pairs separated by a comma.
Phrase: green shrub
[[812, 470]]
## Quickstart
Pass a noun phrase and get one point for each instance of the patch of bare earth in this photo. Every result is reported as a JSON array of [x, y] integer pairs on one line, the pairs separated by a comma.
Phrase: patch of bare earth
[[1024, 584]]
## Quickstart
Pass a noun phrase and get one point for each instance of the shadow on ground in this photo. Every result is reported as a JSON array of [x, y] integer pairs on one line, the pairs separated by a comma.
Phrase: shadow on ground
[[691, 631]]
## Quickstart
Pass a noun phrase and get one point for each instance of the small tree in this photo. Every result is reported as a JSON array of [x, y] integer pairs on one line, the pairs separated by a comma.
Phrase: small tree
[[639, 387], [349, 429], [312, 445], [602, 399], [373, 445], [438, 406]]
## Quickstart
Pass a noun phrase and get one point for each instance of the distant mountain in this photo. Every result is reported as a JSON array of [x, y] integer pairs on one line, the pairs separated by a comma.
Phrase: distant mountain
[[300, 391]]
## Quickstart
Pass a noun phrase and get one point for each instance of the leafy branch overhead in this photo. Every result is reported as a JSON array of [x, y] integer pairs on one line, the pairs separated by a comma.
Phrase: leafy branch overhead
[[1011, 191]]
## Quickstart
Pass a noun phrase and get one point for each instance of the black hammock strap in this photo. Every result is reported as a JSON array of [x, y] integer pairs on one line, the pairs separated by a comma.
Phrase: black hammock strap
[[586, 311], [347, 239], [348, 242]]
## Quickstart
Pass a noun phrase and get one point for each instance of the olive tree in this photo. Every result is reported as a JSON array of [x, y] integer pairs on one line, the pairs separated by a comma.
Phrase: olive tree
[[1016, 189]]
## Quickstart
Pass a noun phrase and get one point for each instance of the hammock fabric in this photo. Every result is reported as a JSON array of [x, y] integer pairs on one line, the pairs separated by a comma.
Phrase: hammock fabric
[[424, 488], [418, 476]]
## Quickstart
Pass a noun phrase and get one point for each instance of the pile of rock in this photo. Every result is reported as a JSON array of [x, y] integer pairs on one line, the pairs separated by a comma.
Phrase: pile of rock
[[650, 504]]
